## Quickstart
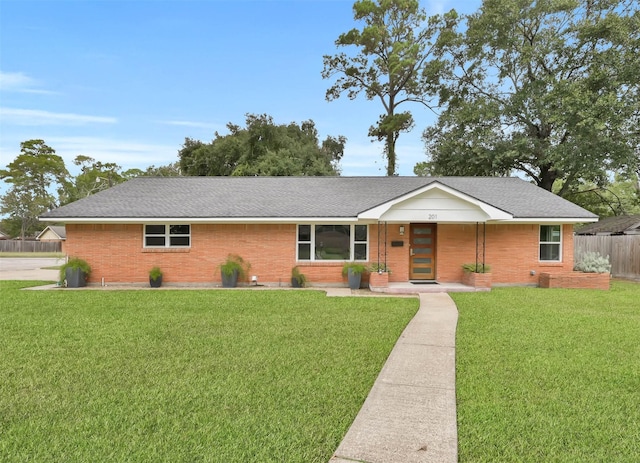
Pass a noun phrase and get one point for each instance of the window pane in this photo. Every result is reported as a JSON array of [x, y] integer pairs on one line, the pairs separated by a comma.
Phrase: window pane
[[179, 229], [304, 251], [304, 232], [361, 233], [332, 242], [154, 229], [423, 250], [550, 233], [422, 260], [360, 251], [549, 252], [422, 240], [179, 241], [421, 270], [154, 241], [422, 231]]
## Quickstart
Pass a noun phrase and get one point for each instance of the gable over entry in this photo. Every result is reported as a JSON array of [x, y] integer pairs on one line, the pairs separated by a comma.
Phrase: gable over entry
[[435, 203]]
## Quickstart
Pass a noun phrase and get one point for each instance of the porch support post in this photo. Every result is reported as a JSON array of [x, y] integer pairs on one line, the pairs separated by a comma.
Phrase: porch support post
[[484, 243], [477, 244]]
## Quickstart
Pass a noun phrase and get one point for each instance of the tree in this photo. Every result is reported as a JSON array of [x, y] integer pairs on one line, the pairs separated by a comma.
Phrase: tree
[[548, 88], [32, 175], [94, 176], [263, 148], [393, 64]]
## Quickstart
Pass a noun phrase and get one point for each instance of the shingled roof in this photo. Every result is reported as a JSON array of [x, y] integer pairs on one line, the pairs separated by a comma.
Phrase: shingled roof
[[619, 225], [300, 197]]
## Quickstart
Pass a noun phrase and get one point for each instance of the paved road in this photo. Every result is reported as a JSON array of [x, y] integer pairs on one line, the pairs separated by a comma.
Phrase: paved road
[[19, 268]]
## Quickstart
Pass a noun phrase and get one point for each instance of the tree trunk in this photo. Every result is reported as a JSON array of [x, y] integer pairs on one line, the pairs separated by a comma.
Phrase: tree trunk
[[390, 148]]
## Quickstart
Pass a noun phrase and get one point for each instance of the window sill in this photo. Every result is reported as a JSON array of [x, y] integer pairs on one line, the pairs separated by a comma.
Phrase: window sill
[[164, 250]]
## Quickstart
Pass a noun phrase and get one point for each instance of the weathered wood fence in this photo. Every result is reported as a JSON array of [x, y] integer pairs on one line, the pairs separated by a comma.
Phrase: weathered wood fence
[[623, 252], [30, 246]]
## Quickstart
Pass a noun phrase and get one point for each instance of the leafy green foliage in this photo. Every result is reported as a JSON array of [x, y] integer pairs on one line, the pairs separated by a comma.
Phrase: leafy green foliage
[[177, 376], [235, 264], [476, 268], [298, 276], [593, 262], [354, 267], [263, 148], [396, 64], [94, 177], [549, 89], [548, 375], [75, 263], [32, 176], [155, 273]]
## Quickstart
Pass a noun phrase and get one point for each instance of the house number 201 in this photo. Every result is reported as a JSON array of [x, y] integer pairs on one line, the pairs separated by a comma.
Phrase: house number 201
[[433, 216]]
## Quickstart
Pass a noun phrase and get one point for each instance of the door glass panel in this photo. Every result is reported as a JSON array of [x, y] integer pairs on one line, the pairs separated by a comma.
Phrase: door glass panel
[[422, 250], [421, 270], [422, 260], [422, 231], [422, 240]]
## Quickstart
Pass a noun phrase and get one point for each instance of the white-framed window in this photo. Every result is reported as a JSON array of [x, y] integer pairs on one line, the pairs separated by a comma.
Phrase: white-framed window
[[550, 243], [167, 236], [318, 242]]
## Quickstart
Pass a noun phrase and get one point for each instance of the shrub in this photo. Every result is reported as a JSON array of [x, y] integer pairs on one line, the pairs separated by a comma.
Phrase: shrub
[[593, 262], [235, 263], [155, 273], [299, 277], [356, 269], [476, 268], [75, 263]]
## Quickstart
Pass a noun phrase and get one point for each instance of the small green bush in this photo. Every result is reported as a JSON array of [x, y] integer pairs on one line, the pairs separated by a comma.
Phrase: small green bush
[[75, 263], [593, 262], [155, 273], [476, 268], [356, 269], [235, 263], [379, 267], [301, 278]]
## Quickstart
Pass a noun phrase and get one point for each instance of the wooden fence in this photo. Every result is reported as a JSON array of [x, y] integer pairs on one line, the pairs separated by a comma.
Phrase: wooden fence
[[623, 252], [30, 246]]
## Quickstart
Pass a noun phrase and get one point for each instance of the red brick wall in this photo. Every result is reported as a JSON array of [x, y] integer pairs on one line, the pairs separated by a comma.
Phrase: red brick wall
[[576, 280], [115, 253]]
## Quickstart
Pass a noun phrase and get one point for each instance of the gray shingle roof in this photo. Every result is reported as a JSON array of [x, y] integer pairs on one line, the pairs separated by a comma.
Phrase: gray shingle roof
[[612, 225], [300, 197]]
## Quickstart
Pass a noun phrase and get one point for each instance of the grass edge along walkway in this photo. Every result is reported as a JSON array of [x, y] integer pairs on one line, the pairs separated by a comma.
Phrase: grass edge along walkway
[[187, 375], [549, 375]]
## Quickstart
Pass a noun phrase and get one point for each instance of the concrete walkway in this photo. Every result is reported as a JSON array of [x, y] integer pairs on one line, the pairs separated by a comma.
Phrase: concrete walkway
[[410, 413]]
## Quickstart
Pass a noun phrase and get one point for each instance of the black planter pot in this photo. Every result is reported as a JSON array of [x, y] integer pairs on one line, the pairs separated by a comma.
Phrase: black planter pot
[[75, 277], [295, 283], [230, 281], [155, 283], [354, 279]]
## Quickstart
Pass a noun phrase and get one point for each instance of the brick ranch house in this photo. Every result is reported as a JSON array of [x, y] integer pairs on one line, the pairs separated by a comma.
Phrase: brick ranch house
[[422, 228]]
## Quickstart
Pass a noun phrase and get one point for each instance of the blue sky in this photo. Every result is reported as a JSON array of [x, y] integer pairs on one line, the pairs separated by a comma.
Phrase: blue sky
[[127, 81]]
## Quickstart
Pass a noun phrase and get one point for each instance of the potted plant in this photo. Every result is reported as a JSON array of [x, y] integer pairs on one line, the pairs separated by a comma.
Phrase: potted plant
[[354, 272], [378, 275], [155, 277], [476, 275], [75, 271], [232, 270], [298, 280]]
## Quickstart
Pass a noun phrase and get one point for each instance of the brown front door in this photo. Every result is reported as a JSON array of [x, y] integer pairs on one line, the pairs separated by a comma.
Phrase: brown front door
[[422, 262]]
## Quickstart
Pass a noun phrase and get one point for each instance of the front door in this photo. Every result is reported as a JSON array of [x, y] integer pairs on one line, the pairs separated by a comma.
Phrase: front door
[[422, 248]]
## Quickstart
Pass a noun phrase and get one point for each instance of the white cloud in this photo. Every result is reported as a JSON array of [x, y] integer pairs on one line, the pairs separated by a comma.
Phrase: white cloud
[[32, 117], [127, 154], [22, 83]]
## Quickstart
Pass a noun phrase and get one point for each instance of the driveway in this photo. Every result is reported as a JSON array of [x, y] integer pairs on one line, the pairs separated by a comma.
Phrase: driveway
[[19, 268]]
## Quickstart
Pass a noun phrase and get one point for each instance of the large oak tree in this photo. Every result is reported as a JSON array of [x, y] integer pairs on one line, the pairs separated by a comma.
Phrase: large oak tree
[[263, 148], [548, 88]]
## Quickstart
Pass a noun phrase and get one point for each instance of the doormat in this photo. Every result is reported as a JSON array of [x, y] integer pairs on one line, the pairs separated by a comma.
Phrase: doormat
[[429, 282]]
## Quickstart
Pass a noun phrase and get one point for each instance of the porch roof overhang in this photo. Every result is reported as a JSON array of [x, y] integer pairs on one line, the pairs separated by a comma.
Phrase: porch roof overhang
[[436, 203]]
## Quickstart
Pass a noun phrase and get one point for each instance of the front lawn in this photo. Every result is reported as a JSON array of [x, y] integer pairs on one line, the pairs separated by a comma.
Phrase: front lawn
[[186, 376], [549, 375]]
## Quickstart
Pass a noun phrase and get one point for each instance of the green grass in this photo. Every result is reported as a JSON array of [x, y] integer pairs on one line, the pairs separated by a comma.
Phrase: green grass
[[549, 375], [186, 376]]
